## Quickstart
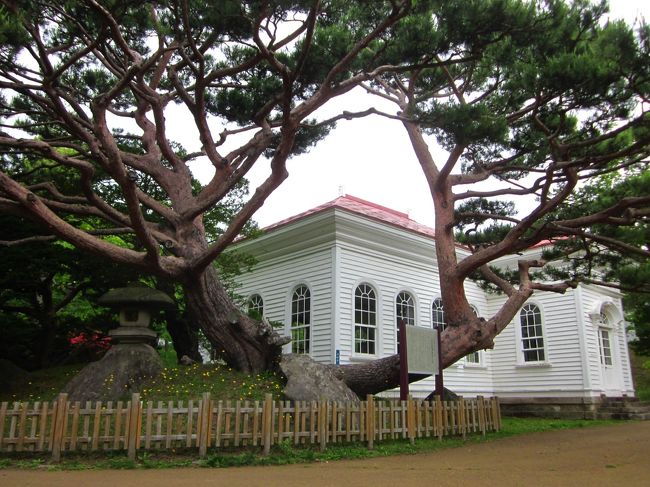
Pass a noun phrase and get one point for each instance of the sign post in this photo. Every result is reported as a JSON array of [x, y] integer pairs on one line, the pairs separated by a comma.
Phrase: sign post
[[440, 389], [418, 354], [403, 362]]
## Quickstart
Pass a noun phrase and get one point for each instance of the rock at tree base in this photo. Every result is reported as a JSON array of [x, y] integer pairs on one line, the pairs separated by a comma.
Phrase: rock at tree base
[[310, 381], [447, 395], [123, 370]]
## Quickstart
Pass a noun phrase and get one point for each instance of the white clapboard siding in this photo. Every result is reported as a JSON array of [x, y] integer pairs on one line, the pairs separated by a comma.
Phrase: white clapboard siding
[[390, 275], [333, 251], [275, 281], [593, 298], [562, 373]]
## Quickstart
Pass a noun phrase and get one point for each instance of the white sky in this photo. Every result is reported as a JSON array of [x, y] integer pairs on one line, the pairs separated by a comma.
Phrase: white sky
[[370, 158]]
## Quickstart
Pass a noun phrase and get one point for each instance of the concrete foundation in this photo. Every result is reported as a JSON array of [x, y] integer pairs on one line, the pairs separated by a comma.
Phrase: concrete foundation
[[575, 407]]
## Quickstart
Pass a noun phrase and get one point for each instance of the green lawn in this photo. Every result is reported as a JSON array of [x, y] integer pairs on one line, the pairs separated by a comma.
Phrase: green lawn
[[40, 385], [176, 382]]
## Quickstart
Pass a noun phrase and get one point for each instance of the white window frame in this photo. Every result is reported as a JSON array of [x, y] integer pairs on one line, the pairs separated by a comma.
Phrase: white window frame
[[605, 344], [521, 355], [365, 321], [439, 308], [479, 354], [410, 319], [435, 320], [300, 320], [250, 305]]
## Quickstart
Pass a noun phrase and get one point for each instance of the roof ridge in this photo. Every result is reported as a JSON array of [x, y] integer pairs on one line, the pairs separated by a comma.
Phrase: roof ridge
[[364, 208], [375, 205]]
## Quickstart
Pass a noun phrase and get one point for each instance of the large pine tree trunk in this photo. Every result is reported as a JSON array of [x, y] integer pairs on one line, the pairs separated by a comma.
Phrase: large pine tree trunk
[[185, 338], [244, 343], [370, 378], [383, 374]]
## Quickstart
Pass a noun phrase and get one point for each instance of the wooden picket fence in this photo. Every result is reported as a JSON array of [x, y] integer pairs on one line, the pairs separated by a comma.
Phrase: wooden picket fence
[[63, 426]]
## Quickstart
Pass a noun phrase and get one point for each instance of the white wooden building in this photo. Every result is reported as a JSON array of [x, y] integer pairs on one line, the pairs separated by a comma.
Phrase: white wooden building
[[339, 276]]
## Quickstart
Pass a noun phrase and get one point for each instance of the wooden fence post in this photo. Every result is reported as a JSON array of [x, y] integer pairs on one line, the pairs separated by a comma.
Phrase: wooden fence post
[[481, 414], [322, 423], [132, 432], [498, 403], [267, 422], [203, 425], [462, 416], [439, 423], [3, 413], [58, 424], [370, 421], [410, 419], [296, 422]]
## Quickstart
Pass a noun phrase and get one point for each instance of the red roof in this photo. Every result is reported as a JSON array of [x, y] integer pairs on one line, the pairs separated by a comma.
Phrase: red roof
[[365, 208]]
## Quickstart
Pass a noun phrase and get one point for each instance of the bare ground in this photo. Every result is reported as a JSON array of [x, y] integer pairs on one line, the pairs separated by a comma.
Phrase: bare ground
[[610, 456]]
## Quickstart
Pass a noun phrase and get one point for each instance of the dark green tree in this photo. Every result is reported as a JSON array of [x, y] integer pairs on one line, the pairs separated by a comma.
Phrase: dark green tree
[[611, 255], [90, 86], [528, 98], [534, 100], [47, 287], [48, 294], [46, 297]]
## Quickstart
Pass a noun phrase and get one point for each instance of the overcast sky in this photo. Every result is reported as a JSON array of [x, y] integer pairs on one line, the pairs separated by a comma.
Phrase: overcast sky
[[370, 158]]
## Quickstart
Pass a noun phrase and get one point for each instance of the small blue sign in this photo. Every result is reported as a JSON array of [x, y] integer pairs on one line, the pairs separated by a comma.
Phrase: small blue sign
[[338, 357]]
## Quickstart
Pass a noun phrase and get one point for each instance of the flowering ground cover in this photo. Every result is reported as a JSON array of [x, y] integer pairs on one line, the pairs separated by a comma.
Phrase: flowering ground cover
[[177, 382]]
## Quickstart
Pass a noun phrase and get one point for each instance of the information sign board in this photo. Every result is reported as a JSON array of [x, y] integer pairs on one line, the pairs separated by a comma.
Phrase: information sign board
[[422, 350]]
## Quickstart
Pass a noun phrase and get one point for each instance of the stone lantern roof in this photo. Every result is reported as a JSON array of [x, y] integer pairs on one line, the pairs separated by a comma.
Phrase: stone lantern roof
[[136, 304], [136, 295]]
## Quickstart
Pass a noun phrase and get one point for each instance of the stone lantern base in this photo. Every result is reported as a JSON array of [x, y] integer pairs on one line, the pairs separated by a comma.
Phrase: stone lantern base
[[124, 369]]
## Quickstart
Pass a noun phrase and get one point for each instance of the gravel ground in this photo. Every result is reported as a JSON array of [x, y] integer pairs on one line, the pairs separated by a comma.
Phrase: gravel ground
[[615, 455]]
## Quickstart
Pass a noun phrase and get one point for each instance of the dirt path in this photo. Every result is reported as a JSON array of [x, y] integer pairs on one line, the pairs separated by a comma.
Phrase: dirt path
[[612, 455]]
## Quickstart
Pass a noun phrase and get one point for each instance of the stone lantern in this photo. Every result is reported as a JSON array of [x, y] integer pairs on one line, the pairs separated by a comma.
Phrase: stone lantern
[[132, 361], [136, 303]]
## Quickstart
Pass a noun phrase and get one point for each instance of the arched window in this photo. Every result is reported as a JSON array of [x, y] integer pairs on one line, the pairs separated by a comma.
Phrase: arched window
[[604, 339], [438, 315], [256, 306], [300, 319], [532, 334], [404, 310], [365, 319], [474, 357]]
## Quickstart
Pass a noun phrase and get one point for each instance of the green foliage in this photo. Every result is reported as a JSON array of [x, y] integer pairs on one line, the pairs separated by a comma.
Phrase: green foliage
[[637, 307], [480, 221], [501, 55], [463, 124], [36, 318], [640, 363], [610, 253], [12, 35], [47, 293]]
